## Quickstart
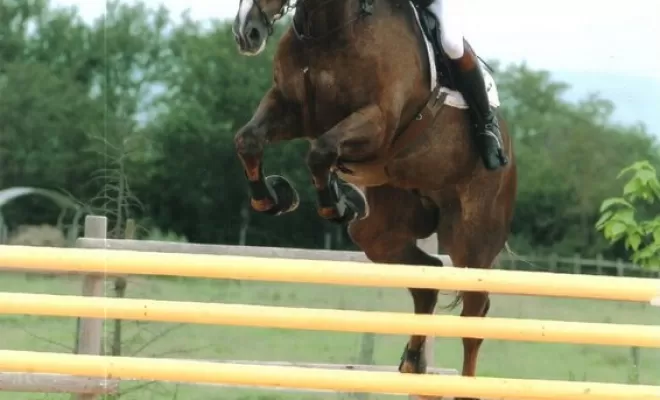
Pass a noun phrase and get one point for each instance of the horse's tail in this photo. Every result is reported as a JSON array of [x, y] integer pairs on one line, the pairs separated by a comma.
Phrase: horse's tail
[[458, 298], [514, 256]]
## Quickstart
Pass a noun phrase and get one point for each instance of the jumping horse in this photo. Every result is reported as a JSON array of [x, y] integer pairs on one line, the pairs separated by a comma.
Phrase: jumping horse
[[391, 153]]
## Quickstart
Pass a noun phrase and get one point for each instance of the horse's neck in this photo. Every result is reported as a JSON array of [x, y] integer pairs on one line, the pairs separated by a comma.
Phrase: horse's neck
[[318, 18]]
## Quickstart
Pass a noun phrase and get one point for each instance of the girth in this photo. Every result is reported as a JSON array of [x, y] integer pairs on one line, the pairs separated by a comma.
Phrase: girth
[[373, 172]]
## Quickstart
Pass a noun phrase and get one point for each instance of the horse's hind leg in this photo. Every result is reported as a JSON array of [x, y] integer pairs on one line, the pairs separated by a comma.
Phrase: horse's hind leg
[[274, 120], [388, 235], [474, 242]]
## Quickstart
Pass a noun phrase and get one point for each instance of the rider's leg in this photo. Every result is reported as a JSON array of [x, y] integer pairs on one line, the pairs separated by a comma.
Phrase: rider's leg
[[470, 82]]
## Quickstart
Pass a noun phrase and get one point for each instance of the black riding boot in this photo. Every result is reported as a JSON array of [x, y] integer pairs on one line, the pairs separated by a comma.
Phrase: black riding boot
[[471, 84]]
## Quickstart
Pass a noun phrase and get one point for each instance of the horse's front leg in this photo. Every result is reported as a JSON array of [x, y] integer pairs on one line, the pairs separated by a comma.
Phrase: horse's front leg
[[356, 137], [275, 120]]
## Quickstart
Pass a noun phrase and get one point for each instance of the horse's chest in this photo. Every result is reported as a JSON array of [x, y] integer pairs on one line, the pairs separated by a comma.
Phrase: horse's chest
[[325, 95], [320, 86]]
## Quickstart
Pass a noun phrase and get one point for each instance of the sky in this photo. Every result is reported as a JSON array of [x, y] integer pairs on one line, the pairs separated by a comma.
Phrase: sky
[[574, 35]]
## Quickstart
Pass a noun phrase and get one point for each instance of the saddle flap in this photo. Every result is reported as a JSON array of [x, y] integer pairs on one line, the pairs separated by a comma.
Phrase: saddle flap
[[421, 123]]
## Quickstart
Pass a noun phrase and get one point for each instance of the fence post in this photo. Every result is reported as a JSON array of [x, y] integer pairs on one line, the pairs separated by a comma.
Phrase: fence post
[[634, 372], [366, 357], [577, 264], [619, 267], [599, 264], [90, 330], [552, 262]]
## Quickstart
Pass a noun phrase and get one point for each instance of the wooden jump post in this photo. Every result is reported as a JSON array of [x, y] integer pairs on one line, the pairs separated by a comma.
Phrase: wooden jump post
[[88, 342], [90, 330]]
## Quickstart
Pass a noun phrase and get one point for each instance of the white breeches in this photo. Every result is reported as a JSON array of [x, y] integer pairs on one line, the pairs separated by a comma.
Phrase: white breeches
[[449, 14]]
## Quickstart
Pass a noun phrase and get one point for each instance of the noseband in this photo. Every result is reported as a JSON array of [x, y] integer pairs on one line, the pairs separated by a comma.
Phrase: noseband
[[284, 9]]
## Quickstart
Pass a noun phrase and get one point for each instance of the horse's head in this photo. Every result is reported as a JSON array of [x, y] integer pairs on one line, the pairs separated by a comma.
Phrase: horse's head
[[254, 23]]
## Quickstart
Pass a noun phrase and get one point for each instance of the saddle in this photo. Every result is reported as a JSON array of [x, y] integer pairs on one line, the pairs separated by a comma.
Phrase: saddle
[[431, 29], [443, 93]]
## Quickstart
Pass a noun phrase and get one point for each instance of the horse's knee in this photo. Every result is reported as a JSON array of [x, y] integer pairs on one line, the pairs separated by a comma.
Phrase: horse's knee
[[375, 244], [248, 141], [359, 233], [475, 304], [321, 157]]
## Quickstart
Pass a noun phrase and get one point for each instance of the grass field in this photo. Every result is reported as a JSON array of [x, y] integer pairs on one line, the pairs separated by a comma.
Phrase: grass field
[[498, 358]]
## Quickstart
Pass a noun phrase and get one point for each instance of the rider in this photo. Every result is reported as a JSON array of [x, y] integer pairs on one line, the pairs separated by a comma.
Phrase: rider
[[470, 81]]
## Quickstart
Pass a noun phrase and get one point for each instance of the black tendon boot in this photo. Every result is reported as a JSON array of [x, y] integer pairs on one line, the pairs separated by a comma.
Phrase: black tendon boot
[[470, 82]]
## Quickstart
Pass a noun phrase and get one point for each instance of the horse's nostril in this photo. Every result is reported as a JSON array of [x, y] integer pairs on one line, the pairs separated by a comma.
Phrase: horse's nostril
[[254, 34]]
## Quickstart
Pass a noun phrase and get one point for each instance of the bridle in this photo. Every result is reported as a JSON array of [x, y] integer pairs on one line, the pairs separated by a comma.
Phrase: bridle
[[366, 8], [270, 23]]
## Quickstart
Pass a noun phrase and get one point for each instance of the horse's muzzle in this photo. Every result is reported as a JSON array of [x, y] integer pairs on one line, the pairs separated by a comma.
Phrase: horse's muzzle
[[251, 39]]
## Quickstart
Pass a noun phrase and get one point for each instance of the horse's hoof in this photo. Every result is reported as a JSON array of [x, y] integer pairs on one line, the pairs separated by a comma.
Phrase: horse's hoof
[[285, 196], [342, 202], [354, 199], [351, 204], [412, 361]]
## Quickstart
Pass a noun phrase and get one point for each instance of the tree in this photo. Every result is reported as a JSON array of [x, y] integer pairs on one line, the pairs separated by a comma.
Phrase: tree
[[563, 150], [630, 219], [210, 92]]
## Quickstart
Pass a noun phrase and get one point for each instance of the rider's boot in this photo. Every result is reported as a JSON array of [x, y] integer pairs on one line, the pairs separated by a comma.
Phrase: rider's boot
[[472, 86]]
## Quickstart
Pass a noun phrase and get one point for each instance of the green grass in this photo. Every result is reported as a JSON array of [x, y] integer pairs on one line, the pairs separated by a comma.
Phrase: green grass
[[498, 358]]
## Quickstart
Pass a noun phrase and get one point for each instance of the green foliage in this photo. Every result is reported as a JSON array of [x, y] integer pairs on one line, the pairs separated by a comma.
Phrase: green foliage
[[562, 150], [619, 220]]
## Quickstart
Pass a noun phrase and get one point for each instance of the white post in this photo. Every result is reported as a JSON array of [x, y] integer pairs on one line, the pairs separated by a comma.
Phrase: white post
[[90, 332]]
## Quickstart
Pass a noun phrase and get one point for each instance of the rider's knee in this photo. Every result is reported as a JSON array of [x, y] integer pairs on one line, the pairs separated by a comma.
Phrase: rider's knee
[[449, 14], [453, 46]]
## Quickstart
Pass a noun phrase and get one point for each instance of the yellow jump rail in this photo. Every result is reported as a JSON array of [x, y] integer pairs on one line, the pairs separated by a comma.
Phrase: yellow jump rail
[[331, 320], [328, 272], [308, 378]]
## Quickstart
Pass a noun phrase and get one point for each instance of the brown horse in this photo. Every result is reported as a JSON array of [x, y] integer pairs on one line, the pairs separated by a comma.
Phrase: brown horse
[[353, 77]]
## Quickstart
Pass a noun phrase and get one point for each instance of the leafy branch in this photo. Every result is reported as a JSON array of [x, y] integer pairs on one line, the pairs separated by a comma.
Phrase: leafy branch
[[619, 215]]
